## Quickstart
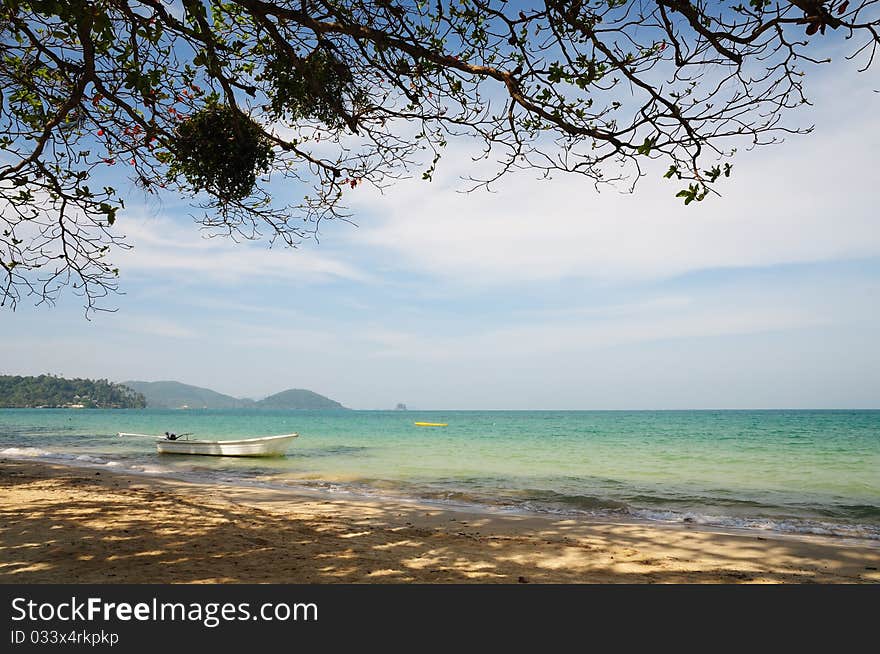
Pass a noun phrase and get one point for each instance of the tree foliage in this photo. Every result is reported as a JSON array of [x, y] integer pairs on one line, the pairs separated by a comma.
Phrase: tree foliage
[[49, 391], [221, 151], [211, 97]]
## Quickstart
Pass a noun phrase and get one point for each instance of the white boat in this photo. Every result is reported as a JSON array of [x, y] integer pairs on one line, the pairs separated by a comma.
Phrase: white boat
[[264, 446]]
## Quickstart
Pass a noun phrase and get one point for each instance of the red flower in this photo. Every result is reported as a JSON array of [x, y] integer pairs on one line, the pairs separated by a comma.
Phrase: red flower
[[100, 132]]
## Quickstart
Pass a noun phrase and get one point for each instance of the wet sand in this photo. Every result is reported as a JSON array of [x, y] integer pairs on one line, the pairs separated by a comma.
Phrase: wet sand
[[63, 524]]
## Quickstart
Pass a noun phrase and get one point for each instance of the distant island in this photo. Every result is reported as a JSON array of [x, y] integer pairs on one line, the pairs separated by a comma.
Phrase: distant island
[[175, 395], [51, 392], [297, 398]]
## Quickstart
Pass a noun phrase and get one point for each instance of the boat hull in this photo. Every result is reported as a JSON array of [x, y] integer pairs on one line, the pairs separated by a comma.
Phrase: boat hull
[[266, 446]]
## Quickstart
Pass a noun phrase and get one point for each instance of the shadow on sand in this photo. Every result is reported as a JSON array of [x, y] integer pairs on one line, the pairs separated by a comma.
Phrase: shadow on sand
[[78, 526]]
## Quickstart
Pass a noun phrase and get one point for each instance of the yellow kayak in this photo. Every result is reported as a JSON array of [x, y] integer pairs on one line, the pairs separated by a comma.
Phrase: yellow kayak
[[431, 424]]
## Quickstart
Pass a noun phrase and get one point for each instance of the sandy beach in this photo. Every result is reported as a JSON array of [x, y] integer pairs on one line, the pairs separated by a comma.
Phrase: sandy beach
[[78, 525]]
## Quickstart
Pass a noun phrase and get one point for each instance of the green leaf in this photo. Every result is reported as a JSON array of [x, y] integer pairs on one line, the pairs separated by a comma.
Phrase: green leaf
[[646, 147]]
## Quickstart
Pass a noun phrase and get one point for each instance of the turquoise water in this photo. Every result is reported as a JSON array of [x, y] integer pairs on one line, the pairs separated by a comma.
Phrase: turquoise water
[[804, 471]]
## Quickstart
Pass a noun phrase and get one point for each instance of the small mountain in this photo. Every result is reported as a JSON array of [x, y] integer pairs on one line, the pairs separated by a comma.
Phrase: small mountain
[[174, 395], [298, 399]]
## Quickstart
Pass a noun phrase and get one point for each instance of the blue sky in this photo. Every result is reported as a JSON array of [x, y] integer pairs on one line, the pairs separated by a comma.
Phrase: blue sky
[[543, 295]]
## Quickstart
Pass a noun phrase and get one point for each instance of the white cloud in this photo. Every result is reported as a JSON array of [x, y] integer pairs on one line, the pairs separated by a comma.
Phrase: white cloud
[[154, 326], [544, 338], [163, 246], [808, 200]]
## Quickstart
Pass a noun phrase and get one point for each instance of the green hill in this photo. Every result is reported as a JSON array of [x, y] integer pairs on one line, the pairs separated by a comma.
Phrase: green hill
[[298, 399], [174, 395], [49, 391]]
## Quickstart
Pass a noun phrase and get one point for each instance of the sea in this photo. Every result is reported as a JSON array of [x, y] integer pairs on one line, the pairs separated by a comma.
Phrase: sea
[[795, 471]]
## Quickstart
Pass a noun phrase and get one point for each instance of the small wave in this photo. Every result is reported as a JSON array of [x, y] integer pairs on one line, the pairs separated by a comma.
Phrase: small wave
[[85, 460], [328, 451], [148, 469], [90, 459], [24, 452], [863, 511], [38, 453], [586, 503], [792, 526]]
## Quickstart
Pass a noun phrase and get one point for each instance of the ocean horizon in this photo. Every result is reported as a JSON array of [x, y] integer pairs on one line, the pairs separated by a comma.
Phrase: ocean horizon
[[784, 470]]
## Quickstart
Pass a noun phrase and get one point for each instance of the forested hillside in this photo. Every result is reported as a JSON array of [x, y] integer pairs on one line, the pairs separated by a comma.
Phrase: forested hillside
[[49, 391]]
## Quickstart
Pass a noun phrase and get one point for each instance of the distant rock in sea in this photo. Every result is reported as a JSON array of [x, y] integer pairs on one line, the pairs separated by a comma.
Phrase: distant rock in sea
[[400, 407]]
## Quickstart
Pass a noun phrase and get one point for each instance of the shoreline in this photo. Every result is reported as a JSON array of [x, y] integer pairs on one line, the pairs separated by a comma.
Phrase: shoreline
[[319, 488], [63, 523]]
